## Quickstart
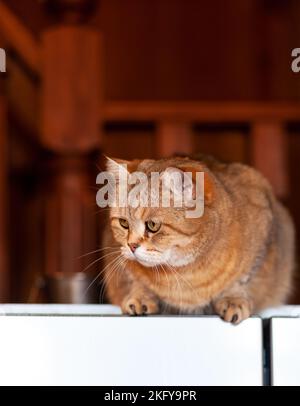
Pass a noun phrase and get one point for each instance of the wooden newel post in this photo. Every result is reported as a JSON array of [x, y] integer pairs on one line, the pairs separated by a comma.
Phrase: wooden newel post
[[71, 99]]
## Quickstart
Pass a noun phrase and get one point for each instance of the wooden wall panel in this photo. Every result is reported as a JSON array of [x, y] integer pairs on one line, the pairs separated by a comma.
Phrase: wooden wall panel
[[129, 144], [180, 49], [4, 271], [225, 145], [176, 49], [279, 33]]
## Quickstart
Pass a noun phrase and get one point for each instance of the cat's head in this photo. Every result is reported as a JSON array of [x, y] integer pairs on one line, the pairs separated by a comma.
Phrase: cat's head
[[158, 236]]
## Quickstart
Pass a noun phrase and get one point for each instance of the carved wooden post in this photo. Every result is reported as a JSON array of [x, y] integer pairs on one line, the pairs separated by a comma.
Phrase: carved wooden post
[[71, 99], [173, 137], [269, 154]]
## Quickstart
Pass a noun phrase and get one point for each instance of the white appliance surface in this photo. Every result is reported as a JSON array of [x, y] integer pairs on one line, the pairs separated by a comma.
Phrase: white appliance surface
[[93, 345], [285, 351], [58, 309], [283, 311]]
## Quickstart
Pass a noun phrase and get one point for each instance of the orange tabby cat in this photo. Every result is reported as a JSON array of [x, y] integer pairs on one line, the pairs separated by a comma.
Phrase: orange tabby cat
[[235, 260]]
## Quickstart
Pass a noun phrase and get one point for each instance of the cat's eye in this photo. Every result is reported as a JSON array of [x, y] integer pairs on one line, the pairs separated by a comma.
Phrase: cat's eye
[[153, 226], [124, 223]]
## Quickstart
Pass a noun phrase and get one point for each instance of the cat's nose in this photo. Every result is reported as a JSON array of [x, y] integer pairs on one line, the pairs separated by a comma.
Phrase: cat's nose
[[133, 246]]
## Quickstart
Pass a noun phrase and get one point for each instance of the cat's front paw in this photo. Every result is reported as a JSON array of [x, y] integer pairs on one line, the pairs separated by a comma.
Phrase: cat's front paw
[[136, 306], [233, 309]]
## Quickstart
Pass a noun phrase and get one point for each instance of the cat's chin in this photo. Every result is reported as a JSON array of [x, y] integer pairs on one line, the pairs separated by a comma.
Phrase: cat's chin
[[142, 259], [147, 264], [143, 262]]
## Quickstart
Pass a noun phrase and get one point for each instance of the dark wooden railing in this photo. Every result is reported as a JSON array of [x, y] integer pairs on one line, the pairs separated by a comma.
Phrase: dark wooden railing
[[174, 123]]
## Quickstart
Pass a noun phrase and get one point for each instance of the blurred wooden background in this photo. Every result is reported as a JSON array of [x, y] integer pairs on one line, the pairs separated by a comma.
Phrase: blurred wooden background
[[133, 79]]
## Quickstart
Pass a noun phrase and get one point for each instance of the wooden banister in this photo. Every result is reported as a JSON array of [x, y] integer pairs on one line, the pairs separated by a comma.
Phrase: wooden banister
[[266, 120], [19, 38], [234, 112]]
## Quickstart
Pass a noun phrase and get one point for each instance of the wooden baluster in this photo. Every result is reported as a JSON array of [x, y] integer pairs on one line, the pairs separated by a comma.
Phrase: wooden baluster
[[20, 37], [269, 154], [173, 138], [71, 99], [4, 275]]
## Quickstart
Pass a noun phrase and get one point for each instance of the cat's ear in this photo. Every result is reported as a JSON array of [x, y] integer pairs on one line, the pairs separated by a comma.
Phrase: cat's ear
[[116, 166], [209, 184], [180, 186], [209, 188], [173, 178]]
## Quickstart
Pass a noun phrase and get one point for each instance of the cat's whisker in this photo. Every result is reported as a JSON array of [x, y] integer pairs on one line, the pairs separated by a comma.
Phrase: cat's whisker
[[95, 251], [161, 267], [118, 275], [98, 275], [103, 209], [182, 277], [156, 275], [102, 290], [115, 269], [179, 288], [99, 259], [184, 280], [178, 284], [167, 278]]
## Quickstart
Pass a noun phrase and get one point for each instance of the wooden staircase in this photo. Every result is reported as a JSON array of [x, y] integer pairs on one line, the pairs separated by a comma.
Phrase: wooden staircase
[[54, 93]]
